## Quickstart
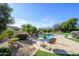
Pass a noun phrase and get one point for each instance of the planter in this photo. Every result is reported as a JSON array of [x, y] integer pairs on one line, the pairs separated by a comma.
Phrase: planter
[[53, 41]]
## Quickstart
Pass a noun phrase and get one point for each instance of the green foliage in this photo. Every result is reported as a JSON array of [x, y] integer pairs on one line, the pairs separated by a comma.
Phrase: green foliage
[[76, 39], [56, 28], [1, 37], [64, 26], [77, 28], [34, 30], [72, 23], [13, 40], [66, 36], [7, 33], [29, 28], [45, 30], [40, 30], [5, 51], [42, 53], [67, 26], [49, 30], [5, 16]]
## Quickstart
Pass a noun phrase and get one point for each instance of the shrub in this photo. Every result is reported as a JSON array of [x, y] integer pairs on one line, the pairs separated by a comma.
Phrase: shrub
[[1, 37], [5, 51], [66, 36], [77, 37], [22, 36], [8, 33], [13, 40]]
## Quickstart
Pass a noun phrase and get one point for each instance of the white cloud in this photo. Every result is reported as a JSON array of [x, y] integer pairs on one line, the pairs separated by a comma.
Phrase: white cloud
[[20, 22], [44, 22]]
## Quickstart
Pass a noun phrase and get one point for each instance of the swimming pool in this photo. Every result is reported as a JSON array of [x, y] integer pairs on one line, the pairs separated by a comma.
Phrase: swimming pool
[[45, 37]]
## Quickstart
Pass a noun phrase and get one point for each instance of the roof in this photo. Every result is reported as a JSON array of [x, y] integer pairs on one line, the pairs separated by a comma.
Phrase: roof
[[14, 27]]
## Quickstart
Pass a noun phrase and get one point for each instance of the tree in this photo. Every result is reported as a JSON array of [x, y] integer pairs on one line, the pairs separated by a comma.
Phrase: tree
[[56, 27], [34, 30], [64, 27], [72, 23], [69, 25], [29, 29], [49, 30], [5, 16], [40, 30], [77, 28]]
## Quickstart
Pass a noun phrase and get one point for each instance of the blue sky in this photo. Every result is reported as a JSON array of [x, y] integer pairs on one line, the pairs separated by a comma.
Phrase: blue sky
[[43, 15]]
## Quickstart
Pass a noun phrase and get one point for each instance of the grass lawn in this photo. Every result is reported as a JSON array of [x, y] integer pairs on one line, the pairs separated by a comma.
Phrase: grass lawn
[[75, 39], [42, 53], [61, 33]]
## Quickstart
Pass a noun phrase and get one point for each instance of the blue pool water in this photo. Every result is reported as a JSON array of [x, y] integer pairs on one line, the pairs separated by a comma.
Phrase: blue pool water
[[45, 37]]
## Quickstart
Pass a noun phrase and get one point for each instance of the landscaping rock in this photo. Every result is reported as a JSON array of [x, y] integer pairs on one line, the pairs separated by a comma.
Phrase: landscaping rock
[[22, 36], [75, 33]]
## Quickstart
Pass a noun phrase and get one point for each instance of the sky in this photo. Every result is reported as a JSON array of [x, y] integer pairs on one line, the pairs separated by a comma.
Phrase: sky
[[43, 14]]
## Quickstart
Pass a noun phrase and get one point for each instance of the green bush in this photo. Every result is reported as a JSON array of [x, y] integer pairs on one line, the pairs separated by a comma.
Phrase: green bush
[[5, 51], [1, 37], [76, 37], [13, 40], [7, 33], [66, 36]]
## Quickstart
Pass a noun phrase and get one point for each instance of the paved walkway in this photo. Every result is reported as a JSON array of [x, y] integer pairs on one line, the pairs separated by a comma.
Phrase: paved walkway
[[63, 46], [67, 44]]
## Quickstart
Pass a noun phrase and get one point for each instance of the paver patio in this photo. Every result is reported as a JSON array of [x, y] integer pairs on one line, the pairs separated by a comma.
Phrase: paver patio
[[63, 46], [67, 44]]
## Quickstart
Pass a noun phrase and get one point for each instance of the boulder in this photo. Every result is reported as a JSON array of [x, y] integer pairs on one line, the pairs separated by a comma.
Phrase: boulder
[[75, 33], [22, 36]]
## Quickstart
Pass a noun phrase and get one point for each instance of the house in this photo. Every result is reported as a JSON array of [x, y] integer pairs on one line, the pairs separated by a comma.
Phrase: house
[[13, 28]]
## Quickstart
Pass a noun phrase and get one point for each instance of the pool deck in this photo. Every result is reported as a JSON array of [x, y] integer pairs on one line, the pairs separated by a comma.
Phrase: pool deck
[[62, 46]]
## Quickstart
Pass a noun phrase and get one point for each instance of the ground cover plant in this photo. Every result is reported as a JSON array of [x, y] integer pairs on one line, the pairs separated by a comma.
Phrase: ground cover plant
[[5, 51]]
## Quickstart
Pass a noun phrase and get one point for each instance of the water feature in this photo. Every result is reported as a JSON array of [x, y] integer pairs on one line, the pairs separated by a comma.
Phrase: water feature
[[46, 37]]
